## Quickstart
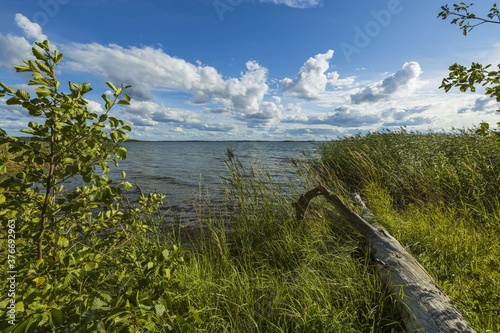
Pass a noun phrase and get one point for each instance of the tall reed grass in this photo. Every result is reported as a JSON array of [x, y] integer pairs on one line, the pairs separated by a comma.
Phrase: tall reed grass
[[257, 270], [438, 194]]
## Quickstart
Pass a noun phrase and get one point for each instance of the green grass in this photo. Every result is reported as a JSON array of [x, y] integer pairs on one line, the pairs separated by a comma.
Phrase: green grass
[[260, 271], [438, 194]]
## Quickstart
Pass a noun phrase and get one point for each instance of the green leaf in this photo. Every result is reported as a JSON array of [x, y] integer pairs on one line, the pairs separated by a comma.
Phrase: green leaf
[[159, 309], [57, 317], [20, 68], [20, 306], [62, 241], [108, 102], [111, 86], [42, 92], [39, 280], [39, 54], [44, 45], [6, 88], [90, 266], [23, 94], [101, 328], [127, 186], [114, 136], [43, 67], [58, 58], [113, 122], [13, 101]]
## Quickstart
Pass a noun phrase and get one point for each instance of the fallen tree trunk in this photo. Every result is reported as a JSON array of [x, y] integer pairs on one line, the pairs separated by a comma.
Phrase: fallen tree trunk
[[423, 305]]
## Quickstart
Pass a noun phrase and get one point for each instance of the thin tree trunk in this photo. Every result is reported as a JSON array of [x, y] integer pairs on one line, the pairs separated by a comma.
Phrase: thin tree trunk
[[423, 305]]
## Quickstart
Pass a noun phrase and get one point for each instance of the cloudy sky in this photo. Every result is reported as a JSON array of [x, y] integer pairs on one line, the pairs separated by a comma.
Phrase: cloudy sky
[[256, 69]]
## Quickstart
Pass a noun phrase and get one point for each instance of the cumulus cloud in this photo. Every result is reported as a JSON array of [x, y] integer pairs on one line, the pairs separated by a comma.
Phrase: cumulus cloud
[[311, 80], [412, 116], [481, 104], [247, 92], [295, 3], [343, 116], [31, 29], [147, 113], [404, 80], [335, 81], [267, 113], [95, 107], [146, 67], [12, 50], [149, 68]]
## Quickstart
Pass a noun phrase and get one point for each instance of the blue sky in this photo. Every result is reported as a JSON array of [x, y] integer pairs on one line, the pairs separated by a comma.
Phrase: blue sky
[[256, 69]]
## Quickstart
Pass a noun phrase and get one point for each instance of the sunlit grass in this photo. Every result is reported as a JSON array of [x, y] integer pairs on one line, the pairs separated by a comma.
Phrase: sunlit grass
[[438, 194], [255, 269], [260, 271]]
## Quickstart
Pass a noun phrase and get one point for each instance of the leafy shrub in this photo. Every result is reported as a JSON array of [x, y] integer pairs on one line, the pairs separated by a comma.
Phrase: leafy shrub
[[84, 259]]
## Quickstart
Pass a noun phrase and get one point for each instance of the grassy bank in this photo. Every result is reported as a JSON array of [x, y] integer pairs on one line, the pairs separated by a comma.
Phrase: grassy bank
[[437, 193]]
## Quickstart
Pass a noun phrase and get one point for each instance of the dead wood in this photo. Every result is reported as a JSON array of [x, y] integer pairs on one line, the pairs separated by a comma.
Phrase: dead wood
[[423, 305]]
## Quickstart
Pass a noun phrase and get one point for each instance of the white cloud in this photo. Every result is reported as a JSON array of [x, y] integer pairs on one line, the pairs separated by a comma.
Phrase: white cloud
[[481, 104], [31, 29], [311, 80], [295, 3], [149, 68], [403, 81], [95, 107], [148, 113], [13, 50], [335, 81], [343, 116], [146, 67], [241, 106]]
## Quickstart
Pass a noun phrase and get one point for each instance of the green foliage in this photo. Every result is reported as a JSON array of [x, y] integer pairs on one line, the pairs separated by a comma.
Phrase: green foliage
[[463, 16], [467, 78], [84, 258]]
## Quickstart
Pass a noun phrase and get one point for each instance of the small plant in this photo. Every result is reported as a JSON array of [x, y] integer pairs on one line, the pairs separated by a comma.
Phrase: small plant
[[83, 259]]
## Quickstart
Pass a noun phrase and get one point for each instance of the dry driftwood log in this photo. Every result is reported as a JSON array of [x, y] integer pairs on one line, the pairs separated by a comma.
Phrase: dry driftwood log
[[423, 305]]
